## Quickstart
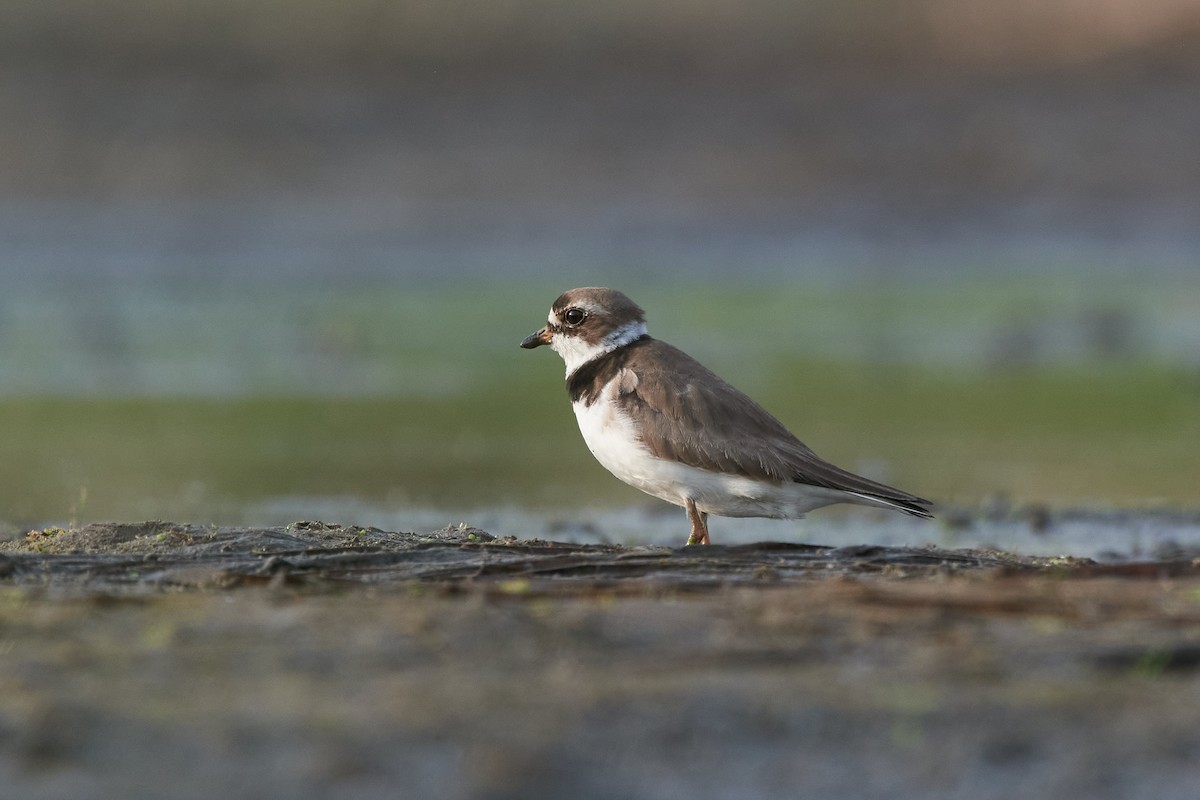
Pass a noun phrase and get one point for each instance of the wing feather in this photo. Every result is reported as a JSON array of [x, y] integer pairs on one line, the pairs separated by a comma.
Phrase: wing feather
[[691, 415]]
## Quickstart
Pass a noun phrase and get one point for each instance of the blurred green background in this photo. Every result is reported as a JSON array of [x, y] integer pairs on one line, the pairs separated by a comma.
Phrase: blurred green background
[[264, 250]]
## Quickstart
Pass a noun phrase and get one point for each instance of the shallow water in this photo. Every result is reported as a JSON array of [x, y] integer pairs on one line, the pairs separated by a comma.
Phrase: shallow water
[[1104, 535]]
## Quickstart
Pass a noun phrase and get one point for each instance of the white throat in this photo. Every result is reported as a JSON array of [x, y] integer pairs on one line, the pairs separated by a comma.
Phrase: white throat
[[575, 352]]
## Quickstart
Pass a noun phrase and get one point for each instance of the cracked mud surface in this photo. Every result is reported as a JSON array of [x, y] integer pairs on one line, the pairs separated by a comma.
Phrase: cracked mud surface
[[165, 660]]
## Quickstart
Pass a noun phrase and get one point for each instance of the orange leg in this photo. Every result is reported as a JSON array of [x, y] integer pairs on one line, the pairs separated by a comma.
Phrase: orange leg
[[699, 524]]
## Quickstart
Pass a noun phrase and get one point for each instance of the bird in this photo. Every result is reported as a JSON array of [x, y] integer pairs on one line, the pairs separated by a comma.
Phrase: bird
[[662, 422]]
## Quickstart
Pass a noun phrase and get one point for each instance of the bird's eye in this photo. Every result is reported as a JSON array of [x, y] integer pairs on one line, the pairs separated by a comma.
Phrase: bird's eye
[[574, 316]]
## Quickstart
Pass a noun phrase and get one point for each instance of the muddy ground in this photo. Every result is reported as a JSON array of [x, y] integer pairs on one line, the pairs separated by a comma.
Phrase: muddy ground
[[175, 661]]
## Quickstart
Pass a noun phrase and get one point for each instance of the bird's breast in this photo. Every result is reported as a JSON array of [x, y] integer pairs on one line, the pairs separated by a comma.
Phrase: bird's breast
[[611, 434]]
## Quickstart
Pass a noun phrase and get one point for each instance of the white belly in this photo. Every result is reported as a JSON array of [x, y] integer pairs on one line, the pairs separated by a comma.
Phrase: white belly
[[613, 440]]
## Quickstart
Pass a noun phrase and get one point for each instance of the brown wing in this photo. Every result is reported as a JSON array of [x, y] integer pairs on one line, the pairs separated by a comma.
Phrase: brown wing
[[691, 415]]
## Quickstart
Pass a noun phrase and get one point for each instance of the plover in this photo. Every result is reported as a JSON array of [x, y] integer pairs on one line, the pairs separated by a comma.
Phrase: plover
[[662, 422]]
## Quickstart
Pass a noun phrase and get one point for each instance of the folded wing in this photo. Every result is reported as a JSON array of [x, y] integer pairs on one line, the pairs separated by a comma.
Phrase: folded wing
[[691, 415]]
